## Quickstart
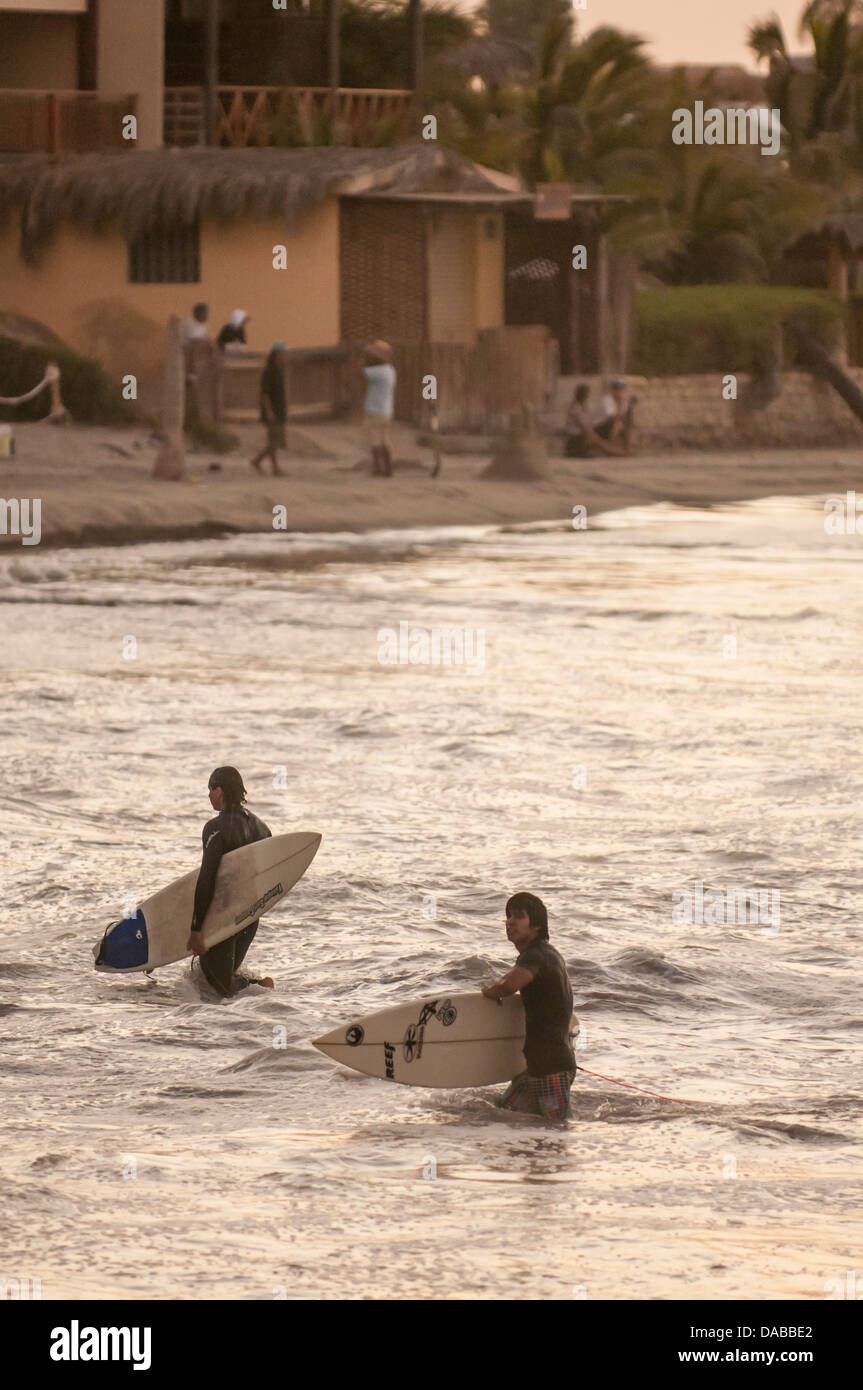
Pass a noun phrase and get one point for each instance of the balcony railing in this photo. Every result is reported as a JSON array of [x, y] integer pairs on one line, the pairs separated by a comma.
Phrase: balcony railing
[[59, 122], [63, 122], [286, 115]]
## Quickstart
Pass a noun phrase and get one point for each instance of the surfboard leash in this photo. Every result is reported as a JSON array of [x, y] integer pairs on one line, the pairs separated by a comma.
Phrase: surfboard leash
[[627, 1086]]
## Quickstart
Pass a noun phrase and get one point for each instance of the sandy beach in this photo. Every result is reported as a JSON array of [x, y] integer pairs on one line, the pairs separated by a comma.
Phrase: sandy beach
[[95, 485]]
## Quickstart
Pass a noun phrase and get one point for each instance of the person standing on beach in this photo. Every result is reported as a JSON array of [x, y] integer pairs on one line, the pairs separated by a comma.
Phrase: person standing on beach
[[380, 377], [540, 976], [233, 827], [274, 408]]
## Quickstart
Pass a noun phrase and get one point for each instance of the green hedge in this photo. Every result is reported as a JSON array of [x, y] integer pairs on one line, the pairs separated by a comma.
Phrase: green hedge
[[89, 394], [726, 328]]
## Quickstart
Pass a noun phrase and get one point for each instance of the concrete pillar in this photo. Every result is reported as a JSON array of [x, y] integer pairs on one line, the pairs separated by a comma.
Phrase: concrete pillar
[[130, 57]]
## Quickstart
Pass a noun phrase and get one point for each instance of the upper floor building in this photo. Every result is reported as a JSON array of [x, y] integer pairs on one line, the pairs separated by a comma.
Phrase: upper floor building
[[191, 72]]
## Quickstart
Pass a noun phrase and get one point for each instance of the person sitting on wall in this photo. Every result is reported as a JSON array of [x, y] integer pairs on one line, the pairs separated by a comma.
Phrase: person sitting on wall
[[583, 438], [617, 415], [232, 337], [196, 326]]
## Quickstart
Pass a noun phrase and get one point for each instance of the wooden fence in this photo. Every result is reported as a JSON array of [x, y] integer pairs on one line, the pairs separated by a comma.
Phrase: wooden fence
[[261, 116], [63, 122], [479, 386], [321, 383]]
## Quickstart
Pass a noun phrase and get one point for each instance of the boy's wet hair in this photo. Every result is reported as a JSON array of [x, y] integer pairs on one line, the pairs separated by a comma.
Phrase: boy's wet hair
[[229, 779], [581, 394], [535, 908]]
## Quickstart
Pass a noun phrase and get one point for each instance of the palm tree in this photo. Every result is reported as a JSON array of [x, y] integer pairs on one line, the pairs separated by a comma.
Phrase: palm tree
[[562, 115], [581, 112], [593, 113], [824, 97], [698, 214], [522, 21]]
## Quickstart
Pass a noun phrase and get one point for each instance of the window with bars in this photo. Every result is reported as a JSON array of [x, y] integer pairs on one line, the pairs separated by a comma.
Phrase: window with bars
[[166, 254]]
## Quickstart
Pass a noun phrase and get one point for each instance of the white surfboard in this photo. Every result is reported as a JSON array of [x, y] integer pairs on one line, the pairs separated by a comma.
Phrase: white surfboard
[[250, 881], [450, 1040]]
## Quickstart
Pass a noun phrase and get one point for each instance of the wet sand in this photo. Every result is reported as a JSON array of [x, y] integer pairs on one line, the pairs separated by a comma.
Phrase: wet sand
[[95, 485]]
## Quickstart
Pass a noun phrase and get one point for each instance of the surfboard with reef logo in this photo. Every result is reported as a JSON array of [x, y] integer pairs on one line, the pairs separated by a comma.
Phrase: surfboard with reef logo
[[449, 1040]]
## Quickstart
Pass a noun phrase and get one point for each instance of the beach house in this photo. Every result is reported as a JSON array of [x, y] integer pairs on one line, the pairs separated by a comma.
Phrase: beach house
[[323, 247], [191, 72], [220, 193]]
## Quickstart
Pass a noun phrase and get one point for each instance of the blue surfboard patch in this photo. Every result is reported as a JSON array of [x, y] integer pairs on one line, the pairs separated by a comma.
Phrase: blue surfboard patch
[[125, 946]]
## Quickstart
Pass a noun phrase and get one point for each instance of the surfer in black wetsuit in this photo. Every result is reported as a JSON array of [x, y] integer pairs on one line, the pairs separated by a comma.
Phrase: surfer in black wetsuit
[[233, 827]]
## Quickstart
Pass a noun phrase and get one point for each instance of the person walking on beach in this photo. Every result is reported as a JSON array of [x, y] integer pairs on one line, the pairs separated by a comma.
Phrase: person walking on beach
[[380, 377], [540, 976], [233, 827], [274, 408]]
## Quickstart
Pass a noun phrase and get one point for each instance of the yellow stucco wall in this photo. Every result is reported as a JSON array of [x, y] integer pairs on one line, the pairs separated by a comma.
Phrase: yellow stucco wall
[[39, 51], [81, 290], [488, 270], [449, 270], [465, 273]]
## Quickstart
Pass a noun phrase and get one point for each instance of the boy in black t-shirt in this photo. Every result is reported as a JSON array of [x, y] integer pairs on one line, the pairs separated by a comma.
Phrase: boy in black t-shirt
[[540, 975]]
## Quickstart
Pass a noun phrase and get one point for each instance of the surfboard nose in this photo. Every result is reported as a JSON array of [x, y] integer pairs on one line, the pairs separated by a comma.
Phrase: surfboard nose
[[124, 945]]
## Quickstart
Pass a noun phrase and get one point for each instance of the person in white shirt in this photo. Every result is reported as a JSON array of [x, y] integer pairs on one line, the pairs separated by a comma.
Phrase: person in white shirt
[[380, 377], [584, 438], [196, 326], [617, 416]]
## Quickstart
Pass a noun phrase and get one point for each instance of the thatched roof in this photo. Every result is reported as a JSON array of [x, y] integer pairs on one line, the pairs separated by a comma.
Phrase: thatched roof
[[142, 188]]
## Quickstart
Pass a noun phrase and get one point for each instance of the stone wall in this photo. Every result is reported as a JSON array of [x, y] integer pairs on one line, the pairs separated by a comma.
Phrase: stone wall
[[688, 412]]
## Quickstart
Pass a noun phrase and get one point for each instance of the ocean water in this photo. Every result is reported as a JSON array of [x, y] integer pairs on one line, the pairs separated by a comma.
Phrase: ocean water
[[659, 712]]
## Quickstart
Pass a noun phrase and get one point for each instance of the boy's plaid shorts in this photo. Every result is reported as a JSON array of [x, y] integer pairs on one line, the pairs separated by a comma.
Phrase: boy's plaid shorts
[[547, 1096]]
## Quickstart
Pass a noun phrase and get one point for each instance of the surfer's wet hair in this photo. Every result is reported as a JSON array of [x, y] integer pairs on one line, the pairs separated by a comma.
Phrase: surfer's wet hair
[[535, 908], [229, 779]]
